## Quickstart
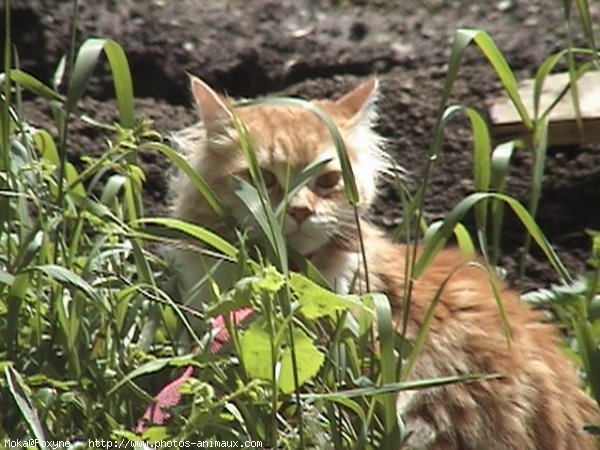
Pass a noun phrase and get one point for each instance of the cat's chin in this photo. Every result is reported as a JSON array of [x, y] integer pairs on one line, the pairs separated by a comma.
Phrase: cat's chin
[[304, 244]]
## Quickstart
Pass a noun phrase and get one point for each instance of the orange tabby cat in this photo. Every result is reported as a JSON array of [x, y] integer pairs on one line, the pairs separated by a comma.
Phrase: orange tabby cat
[[537, 404]]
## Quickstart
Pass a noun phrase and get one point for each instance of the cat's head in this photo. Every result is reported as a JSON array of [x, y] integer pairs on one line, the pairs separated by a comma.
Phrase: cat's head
[[286, 139]]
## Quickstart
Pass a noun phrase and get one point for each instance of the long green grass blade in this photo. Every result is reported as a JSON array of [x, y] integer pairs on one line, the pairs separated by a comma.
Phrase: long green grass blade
[[539, 166], [34, 85], [540, 76], [262, 213], [85, 62], [386, 332], [586, 21], [420, 340], [463, 238], [200, 184], [400, 386], [150, 367], [500, 162], [63, 275], [438, 240], [20, 393], [462, 38], [197, 232]]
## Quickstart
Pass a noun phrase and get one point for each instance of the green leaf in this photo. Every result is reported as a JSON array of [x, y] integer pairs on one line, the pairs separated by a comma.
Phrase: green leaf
[[257, 355], [34, 85], [6, 278], [64, 275], [463, 238], [400, 386], [270, 280], [386, 332], [499, 165], [462, 39], [85, 62], [195, 231], [150, 367], [265, 217], [256, 351], [590, 354], [316, 302], [300, 181], [441, 236], [46, 146], [199, 182], [308, 361], [22, 396]]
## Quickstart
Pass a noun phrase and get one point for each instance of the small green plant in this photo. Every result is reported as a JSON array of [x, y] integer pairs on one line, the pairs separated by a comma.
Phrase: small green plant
[[577, 309]]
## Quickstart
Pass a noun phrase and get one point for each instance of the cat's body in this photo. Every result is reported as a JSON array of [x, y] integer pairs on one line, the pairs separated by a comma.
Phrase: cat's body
[[537, 404]]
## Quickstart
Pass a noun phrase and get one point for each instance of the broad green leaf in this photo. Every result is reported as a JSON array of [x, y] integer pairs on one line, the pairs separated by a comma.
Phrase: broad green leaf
[[270, 280], [316, 302], [308, 361], [257, 355]]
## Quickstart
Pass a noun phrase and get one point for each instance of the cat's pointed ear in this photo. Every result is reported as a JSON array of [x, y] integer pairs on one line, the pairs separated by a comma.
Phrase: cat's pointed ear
[[359, 103], [211, 106]]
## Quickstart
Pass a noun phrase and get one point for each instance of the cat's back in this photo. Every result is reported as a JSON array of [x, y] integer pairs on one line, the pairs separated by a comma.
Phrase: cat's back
[[536, 403]]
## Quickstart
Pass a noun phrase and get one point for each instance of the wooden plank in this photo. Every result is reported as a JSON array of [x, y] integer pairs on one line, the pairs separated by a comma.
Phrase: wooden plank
[[563, 129]]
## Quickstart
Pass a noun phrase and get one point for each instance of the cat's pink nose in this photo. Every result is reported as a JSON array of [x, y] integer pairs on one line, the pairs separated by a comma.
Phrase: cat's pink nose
[[299, 214]]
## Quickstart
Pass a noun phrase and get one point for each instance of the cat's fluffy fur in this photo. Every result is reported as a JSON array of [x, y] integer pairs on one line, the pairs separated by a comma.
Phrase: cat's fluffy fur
[[537, 404]]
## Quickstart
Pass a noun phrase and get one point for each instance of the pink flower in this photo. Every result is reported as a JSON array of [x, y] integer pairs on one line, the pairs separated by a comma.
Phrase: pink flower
[[220, 329], [169, 396]]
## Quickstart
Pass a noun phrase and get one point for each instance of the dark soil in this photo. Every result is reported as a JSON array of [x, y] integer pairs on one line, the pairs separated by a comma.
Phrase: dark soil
[[315, 48]]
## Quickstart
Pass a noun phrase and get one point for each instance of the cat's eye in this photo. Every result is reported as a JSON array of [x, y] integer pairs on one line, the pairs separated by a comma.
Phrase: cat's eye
[[269, 178], [328, 180]]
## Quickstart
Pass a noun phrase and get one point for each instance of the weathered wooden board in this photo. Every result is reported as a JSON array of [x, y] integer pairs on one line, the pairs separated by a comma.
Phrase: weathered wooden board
[[563, 128]]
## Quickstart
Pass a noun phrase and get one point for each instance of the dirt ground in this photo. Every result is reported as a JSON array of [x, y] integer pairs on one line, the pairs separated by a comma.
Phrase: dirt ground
[[317, 48]]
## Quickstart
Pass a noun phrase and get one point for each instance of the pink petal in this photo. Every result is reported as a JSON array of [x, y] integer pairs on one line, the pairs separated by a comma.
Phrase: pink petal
[[222, 335], [169, 396]]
